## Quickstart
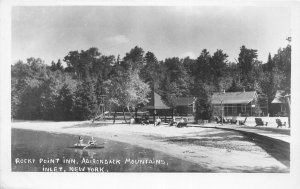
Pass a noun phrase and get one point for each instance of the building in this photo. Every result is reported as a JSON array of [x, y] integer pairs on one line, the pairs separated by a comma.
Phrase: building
[[236, 103], [280, 104], [157, 108], [185, 106]]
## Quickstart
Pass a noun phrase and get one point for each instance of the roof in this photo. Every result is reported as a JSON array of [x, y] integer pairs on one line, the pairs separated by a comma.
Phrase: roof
[[279, 97], [233, 97], [157, 103], [185, 101]]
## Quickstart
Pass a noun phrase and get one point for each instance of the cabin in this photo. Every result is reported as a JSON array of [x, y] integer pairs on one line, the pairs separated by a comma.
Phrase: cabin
[[279, 105], [158, 108], [235, 103], [185, 106]]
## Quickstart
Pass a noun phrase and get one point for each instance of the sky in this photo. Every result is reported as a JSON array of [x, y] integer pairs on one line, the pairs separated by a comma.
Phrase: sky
[[50, 32]]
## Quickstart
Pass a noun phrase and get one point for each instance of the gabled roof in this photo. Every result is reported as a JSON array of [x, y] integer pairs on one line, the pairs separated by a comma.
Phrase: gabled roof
[[279, 97], [185, 101], [156, 103], [233, 97]]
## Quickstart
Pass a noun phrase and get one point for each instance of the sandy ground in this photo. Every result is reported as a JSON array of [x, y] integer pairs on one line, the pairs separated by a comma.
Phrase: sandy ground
[[214, 149]]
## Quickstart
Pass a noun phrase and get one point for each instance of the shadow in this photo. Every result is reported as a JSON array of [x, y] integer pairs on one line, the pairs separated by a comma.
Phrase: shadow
[[213, 137], [89, 148], [85, 125], [274, 130], [278, 149], [220, 143], [193, 140]]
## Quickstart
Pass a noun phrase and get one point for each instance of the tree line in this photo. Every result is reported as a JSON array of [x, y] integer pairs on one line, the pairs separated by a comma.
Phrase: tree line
[[54, 92]]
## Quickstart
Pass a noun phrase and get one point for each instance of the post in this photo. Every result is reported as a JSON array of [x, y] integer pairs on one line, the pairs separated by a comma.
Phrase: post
[[222, 111], [289, 111], [154, 116], [268, 106]]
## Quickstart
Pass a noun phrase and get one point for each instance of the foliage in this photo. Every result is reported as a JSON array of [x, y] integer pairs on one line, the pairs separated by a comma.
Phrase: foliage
[[39, 91], [134, 59], [85, 102], [204, 108], [127, 90], [175, 81], [246, 59]]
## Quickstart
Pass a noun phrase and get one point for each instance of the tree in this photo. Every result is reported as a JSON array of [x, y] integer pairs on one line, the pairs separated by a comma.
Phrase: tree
[[174, 81], [150, 72], [246, 59], [66, 100], [85, 102], [53, 66], [19, 72], [218, 70], [127, 90], [134, 59], [269, 66], [57, 66], [202, 70], [282, 72], [236, 85], [218, 63], [55, 97], [30, 100], [73, 61], [82, 62], [52, 92], [204, 108], [49, 92], [27, 82], [189, 65], [269, 88]]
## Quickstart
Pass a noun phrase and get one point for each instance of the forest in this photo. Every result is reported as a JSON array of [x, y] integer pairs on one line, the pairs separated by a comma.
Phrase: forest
[[55, 92]]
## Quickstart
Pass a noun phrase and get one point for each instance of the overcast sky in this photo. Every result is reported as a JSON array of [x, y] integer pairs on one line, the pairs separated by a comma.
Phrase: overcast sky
[[50, 33]]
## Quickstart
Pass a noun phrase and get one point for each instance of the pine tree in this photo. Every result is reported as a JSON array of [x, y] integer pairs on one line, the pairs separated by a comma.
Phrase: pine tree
[[85, 102], [59, 65]]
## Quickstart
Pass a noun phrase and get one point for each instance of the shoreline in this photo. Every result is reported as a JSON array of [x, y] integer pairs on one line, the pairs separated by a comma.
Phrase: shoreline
[[208, 150]]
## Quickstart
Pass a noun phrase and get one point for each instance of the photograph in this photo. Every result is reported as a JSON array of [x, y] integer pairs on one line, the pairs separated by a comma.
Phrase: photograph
[[150, 89]]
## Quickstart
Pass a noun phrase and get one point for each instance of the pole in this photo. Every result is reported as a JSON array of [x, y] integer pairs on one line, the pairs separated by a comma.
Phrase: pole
[[289, 113], [268, 106], [222, 111], [154, 116], [251, 110]]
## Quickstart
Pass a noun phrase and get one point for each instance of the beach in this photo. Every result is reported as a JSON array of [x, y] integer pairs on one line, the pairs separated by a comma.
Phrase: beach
[[214, 149]]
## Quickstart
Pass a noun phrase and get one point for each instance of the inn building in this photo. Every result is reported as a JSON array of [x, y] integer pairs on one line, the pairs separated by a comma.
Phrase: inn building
[[243, 103]]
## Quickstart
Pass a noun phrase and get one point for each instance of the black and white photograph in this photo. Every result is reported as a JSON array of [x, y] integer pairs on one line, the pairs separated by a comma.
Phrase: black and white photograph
[[102, 89]]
